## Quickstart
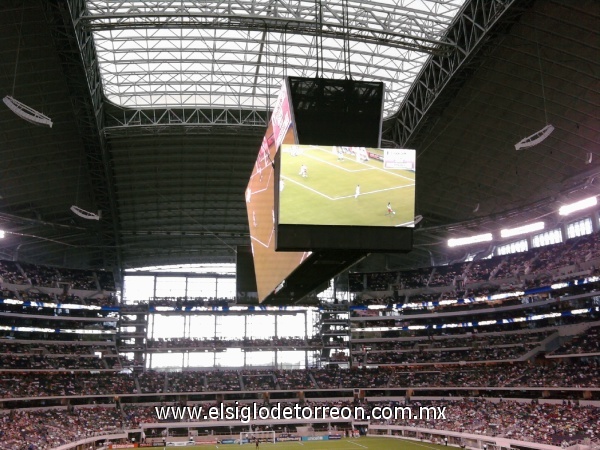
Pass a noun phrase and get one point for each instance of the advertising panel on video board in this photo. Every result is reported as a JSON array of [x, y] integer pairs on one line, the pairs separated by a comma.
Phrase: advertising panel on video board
[[353, 186]]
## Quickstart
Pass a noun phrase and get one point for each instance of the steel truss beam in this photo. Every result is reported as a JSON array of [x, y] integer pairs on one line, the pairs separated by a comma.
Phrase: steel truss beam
[[75, 47], [477, 24], [400, 27], [187, 121]]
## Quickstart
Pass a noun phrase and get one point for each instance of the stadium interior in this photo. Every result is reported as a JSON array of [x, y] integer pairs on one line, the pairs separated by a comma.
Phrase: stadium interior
[[129, 131]]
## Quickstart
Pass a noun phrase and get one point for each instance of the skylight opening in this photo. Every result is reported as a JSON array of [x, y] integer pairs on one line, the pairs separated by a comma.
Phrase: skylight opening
[[149, 57]]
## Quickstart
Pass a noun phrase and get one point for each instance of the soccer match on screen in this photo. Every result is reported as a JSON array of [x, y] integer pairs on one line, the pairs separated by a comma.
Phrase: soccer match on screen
[[335, 185]]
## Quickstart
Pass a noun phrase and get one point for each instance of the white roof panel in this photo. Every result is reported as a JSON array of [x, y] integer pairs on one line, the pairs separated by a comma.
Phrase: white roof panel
[[233, 54]]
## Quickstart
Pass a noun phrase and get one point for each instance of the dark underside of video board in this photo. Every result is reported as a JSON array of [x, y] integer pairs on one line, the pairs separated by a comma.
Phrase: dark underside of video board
[[336, 112], [367, 239], [317, 269]]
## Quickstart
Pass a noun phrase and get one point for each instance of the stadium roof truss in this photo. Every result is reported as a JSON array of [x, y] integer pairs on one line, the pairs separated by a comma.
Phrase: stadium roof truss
[[159, 108], [177, 62]]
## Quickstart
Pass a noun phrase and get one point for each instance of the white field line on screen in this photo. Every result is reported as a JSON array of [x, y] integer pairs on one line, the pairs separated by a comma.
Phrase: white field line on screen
[[258, 192], [261, 242], [375, 191], [340, 167], [371, 167], [309, 188], [336, 448], [423, 445], [405, 224], [267, 187], [356, 443]]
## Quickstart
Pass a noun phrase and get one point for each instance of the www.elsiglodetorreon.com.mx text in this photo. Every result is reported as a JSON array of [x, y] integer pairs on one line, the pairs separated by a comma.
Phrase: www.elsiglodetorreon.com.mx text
[[250, 412]]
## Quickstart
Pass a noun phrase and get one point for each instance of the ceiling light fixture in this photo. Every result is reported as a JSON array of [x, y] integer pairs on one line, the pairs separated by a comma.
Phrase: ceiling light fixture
[[535, 138], [509, 232], [27, 113], [20, 109], [541, 135], [85, 214], [565, 210], [470, 240]]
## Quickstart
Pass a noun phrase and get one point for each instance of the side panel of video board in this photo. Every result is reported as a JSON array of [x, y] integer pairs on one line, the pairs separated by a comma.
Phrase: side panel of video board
[[271, 268]]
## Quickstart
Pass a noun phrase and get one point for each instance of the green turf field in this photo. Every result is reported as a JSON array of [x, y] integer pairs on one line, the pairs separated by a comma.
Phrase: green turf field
[[327, 195], [363, 443]]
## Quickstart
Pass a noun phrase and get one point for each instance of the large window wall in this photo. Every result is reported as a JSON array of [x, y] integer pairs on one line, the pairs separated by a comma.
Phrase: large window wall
[[207, 281], [232, 326]]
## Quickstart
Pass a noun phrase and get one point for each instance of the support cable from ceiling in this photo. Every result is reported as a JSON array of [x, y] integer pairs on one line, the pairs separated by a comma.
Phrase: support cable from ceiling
[[537, 44], [346, 34], [19, 31], [319, 40]]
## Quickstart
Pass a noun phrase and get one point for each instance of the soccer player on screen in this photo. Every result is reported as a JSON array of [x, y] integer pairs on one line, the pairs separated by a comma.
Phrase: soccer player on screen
[[390, 211], [357, 192], [303, 171]]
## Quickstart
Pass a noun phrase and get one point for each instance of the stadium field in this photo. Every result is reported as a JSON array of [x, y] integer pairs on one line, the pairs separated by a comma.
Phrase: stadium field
[[326, 194], [363, 443]]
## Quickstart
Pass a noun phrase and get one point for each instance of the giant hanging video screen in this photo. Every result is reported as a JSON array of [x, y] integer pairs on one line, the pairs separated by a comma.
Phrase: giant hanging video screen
[[347, 186], [313, 209]]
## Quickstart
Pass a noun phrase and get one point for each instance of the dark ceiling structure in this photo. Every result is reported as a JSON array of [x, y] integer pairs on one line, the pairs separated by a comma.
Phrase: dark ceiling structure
[[166, 172]]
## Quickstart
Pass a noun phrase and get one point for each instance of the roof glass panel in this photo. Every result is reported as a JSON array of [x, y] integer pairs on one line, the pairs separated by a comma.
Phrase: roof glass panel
[[234, 54]]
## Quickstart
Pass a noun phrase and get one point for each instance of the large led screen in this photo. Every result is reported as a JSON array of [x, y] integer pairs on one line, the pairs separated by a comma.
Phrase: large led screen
[[355, 186]]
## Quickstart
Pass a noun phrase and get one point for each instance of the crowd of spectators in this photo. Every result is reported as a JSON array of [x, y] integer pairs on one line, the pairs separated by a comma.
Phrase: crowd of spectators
[[54, 384], [576, 373], [225, 380], [526, 269], [380, 281], [294, 379], [186, 382], [560, 424], [33, 276], [44, 362], [415, 278], [444, 276], [553, 424], [10, 273], [588, 342], [106, 280], [483, 340], [62, 348], [46, 276], [150, 381], [35, 295], [215, 343], [450, 356], [258, 380], [51, 428], [554, 373]]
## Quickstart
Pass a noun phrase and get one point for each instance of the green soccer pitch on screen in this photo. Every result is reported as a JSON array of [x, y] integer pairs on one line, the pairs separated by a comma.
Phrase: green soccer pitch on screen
[[346, 186]]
